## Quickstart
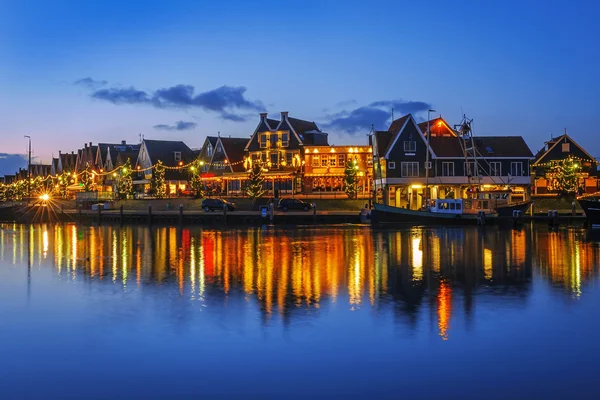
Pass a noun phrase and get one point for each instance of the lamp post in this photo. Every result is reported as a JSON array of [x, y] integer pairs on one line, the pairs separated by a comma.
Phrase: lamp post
[[427, 159], [29, 168]]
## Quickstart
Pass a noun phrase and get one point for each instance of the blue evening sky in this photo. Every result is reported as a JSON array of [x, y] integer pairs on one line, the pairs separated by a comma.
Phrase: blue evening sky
[[186, 69]]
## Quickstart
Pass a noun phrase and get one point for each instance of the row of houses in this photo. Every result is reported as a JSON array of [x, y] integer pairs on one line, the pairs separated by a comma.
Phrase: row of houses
[[398, 165]]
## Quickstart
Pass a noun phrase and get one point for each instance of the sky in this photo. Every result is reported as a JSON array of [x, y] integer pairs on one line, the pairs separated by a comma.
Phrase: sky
[[73, 72]]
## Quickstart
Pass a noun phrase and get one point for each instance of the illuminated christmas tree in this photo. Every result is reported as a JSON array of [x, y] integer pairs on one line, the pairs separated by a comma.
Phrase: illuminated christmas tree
[[125, 183], [565, 173], [351, 179], [255, 181], [87, 178], [158, 180], [195, 181]]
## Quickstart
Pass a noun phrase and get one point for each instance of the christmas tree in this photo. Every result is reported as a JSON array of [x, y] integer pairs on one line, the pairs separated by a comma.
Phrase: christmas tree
[[87, 179], [62, 182], [565, 173], [125, 183], [158, 181], [255, 181], [351, 179], [195, 181]]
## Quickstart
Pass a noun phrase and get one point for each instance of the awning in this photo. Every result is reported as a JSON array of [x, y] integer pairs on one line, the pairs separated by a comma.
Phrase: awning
[[141, 182], [76, 188], [326, 175]]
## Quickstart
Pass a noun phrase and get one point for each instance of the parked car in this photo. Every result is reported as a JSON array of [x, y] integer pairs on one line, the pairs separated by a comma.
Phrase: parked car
[[217, 204], [293, 204]]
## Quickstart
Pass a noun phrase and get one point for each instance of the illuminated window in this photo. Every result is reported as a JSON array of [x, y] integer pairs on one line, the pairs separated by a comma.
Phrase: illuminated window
[[274, 160], [288, 158], [332, 160], [285, 139], [324, 161], [410, 146], [341, 160], [316, 161], [263, 140], [566, 147]]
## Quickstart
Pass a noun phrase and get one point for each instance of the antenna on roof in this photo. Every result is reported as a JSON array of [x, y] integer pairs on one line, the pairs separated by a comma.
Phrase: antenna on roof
[[218, 133]]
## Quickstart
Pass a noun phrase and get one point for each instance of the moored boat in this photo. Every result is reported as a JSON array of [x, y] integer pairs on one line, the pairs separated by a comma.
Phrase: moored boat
[[591, 208], [442, 211]]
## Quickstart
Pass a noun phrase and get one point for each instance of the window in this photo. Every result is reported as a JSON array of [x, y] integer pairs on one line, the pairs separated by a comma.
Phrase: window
[[516, 168], [470, 169], [316, 161], [274, 160], [289, 156], [410, 169], [177, 155], [263, 140], [285, 139], [391, 165], [410, 146], [274, 139], [263, 157], [341, 160], [495, 168], [219, 148], [428, 164], [489, 149], [566, 147], [448, 168], [324, 161], [332, 160], [209, 150]]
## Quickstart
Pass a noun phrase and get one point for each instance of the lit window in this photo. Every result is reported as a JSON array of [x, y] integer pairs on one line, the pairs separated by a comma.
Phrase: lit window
[[316, 161], [324, 161], [288, 158], [566, 147], [332, 160], [341, 160]]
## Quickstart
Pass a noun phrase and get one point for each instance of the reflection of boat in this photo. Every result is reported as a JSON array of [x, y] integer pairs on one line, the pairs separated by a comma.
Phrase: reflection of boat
[[446, 211], [591, 207]]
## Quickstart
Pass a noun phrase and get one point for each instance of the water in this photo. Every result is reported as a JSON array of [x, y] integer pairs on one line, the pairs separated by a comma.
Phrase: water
[[328, 312]]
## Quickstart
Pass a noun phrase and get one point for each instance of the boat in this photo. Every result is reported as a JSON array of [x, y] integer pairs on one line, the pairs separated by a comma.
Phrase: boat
[[441, 211], [591, 208], [502, 201]]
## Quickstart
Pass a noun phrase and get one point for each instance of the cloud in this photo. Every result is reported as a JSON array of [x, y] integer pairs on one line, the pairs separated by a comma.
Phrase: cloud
[[378, 114], [10, 163], [226, 101], [90, 83], [179, 126]]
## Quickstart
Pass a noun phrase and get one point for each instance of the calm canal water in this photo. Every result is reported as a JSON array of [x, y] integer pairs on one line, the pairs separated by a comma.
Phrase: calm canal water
[[328, 312]]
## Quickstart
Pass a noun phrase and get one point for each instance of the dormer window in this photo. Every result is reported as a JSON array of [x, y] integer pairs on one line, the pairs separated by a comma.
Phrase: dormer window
[[177, 155]]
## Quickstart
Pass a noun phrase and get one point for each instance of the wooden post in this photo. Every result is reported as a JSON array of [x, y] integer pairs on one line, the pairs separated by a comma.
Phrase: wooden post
[[121, 214], [99, 214], [224, 212], [314, 211], [181, 214], [149, 214]]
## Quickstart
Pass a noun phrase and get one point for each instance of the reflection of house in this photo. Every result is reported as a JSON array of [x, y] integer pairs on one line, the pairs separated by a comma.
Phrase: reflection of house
[[324, 168], [228, 163], [400, 162], [561, 148], [173, 154]]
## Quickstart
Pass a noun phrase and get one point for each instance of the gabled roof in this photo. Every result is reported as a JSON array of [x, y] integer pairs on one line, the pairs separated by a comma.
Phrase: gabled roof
[[438, 127], [273, 123], [382, 138], [396, 129], [234, 150], [487, 147], [553, 142], [164, 150]]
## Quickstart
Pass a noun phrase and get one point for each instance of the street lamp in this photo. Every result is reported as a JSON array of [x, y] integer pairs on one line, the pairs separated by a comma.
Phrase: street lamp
[[427, 159], [29, 167]]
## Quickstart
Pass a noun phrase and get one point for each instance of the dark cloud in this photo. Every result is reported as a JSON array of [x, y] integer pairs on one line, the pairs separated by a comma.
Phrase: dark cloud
[[90, 83], [225, 100], [179, 126], [378, 114], [10, 163]]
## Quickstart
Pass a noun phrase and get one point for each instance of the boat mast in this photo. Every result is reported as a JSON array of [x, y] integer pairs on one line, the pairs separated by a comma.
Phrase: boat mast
[[467, 144]]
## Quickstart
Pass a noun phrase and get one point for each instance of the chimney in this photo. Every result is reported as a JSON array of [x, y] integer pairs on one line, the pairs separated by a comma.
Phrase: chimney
[[123, 142], [284, 115], [263, 117], [85, 146], [90, 144], [59, 154]]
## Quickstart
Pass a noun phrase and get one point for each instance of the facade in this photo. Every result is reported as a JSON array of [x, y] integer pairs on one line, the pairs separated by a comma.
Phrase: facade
[[66, 162], [324, 168], [560, 148], [173, 154], [455, 165]]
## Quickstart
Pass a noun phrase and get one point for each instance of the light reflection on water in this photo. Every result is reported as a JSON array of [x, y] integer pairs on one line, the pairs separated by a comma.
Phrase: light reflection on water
[[436, 284]]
